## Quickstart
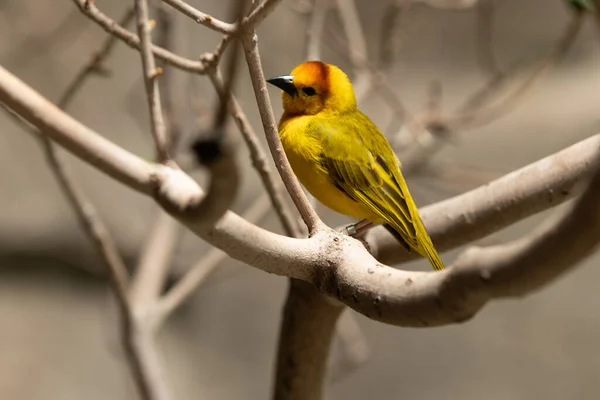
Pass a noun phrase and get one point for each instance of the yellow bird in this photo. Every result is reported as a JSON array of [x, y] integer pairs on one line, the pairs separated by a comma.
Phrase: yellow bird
[[342, 158]]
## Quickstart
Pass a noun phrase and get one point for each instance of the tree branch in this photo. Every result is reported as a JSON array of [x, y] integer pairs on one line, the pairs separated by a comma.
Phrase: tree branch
[[155, 260], [259, 160], [197, 273], [89, 9], [310, 217], [338, 265], [314, 31], [151, 74], [307, 328], [498, 204]]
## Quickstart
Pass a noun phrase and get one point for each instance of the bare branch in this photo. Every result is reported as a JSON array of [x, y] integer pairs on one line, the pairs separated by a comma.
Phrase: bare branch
[[151, 74], [314, 31], [203, 19], [310, 217], [482, 116], [182, 290], [498, 204], [338, 265], [155, 260], [94, 65], [304, 342], [358, 50], [255, 17], [172, 99], [259, 161], [89, 9]]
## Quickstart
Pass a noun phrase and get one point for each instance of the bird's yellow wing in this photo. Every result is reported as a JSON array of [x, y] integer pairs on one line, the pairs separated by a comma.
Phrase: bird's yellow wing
[[360, 162]]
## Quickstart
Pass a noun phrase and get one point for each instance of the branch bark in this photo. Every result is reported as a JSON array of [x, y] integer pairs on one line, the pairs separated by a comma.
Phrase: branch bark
[[151, 74], [259, 161], [307, 328], [338, 265], [89, 9], [310, 217]]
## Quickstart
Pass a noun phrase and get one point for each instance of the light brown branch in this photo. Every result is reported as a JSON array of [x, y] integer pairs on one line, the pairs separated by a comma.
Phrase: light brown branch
[[259, 161], [172, 100], [256, 16], [358, 50], [151, 74], [310, 217], [74, 136], [314, 31], [498, 204], [155, 259], [201, 18], [89, 9], [94, 65], [307, 328], [338, 265], [483, 116], [182, 290]]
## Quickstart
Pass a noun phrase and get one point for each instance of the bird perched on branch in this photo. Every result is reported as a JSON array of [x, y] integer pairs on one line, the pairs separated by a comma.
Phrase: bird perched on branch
[[343, 159]]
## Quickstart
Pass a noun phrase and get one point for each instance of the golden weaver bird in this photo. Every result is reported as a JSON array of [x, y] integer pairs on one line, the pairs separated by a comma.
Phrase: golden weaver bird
[[342, 158]]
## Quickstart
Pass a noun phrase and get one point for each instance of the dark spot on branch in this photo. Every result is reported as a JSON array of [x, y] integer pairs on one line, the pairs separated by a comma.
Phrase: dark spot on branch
[[208, 150]]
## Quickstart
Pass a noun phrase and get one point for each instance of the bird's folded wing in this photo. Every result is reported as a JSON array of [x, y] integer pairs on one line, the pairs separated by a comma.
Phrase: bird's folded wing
[[370, 180]]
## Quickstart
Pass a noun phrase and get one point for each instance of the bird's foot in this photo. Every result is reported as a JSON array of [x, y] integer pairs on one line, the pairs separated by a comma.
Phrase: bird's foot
[[359, 230]]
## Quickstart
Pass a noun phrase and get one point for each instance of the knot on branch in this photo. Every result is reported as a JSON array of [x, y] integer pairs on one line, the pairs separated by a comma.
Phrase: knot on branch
[[209, 148], [176, 191]]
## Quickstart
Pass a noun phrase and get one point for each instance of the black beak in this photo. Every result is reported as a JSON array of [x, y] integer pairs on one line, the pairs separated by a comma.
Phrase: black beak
[[285, 83]]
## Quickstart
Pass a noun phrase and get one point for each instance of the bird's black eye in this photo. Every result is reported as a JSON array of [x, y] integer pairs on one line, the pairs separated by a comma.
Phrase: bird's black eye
[[309, 91]]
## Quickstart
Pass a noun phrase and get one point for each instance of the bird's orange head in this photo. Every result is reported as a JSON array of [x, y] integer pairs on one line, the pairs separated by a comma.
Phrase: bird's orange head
[[315, 87]]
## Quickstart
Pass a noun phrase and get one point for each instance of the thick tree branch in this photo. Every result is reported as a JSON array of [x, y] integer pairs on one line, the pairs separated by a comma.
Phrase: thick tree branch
[[74, 136], [198, 272], [498, 204], [310, 217], [337, 265], [307, 328]]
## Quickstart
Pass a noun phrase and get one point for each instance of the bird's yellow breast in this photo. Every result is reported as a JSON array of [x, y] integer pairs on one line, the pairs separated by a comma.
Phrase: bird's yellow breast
[[303, 150]]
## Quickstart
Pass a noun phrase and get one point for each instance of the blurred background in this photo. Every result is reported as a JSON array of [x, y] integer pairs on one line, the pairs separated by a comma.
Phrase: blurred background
[[58, 324]]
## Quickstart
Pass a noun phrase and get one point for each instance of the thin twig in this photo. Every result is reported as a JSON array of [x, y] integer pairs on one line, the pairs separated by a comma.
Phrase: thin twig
[[480, 117], [358, 51], [110, 26], [203, 19], [94, 65], [259, 161], [314, 31], [485, 38], [310, 217], [151, 74], [155, 259], [165, 37]]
